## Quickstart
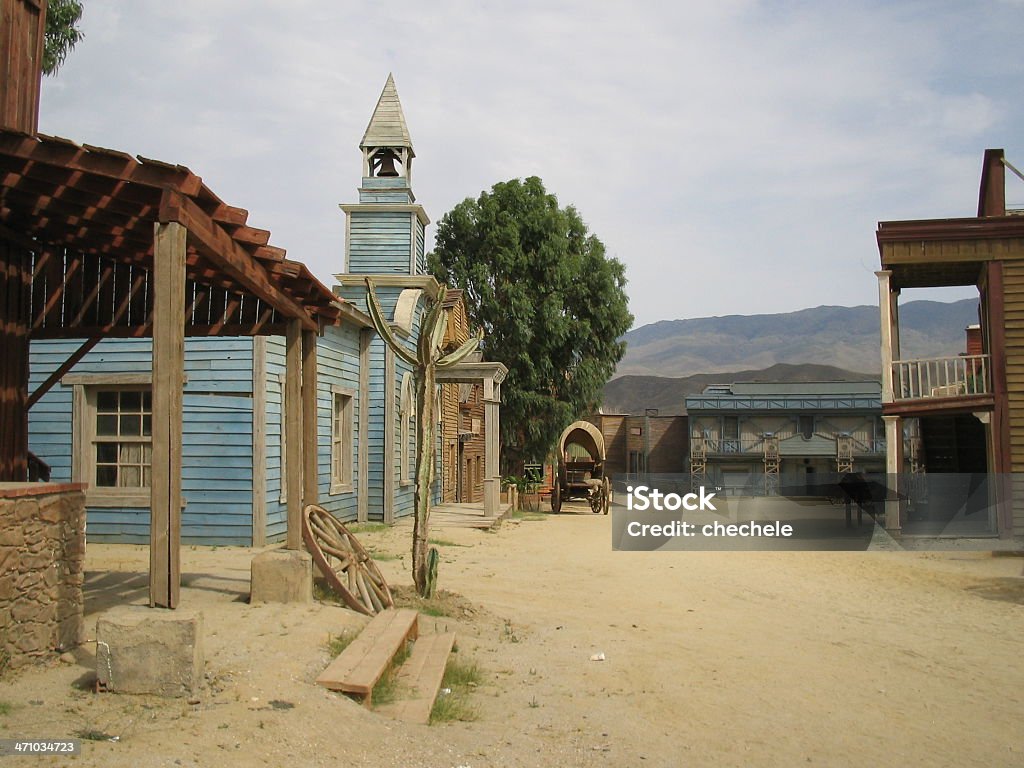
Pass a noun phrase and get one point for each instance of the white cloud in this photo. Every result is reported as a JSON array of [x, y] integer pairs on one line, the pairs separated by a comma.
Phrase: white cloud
[[737, 155]]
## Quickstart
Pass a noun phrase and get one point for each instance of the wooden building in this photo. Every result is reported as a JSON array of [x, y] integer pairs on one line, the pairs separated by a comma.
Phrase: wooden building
[[464, 432], [649, 444], [961, 415], [766, 438], [94, 244], [385, 234], [235, 485]]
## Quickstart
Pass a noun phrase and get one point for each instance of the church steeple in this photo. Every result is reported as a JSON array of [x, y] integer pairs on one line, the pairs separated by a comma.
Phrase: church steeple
[[385, 230], [386, 140]]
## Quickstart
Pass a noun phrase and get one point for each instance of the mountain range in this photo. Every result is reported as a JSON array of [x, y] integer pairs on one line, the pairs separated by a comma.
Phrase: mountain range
[[666, 360]]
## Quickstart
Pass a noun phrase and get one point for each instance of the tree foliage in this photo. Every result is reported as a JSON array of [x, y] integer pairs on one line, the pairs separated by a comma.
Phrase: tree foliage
[[62, 34], [551, 304]]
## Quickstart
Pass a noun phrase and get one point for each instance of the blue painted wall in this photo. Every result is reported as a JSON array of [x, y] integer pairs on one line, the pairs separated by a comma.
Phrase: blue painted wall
[[217, 434]]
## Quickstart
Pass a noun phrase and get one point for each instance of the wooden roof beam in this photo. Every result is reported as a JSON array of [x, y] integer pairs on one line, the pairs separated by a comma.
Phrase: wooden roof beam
[[222, 250], [50, 150]]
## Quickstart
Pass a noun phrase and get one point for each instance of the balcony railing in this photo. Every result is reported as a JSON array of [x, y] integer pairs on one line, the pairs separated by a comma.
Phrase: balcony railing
[[704, 446], [961, 376]]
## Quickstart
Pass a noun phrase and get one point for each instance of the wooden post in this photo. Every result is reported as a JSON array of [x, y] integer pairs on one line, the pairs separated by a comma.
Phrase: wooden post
[[389, 435], [168, 383], [293, 432], [999, 425], [15, 300], [492, 479], [894, 471], [363, 465], [310, 471], [885, 326], [259, 441]]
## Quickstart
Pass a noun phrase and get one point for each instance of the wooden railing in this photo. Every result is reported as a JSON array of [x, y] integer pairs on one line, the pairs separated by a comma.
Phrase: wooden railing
[[961, 376]]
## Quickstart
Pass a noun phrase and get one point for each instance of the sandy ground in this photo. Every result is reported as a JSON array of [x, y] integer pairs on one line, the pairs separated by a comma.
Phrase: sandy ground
[[711, 659]]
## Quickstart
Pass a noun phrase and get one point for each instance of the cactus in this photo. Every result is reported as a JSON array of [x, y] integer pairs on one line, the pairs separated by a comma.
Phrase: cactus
[[425, 361]]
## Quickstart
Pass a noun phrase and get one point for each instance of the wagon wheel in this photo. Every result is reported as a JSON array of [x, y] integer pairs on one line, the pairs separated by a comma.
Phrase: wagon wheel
[[607, 495], [348, 567], [596, 499], [556, 497]]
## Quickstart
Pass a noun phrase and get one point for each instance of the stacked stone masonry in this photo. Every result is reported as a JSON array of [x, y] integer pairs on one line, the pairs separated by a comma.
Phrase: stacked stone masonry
[[42, 561]]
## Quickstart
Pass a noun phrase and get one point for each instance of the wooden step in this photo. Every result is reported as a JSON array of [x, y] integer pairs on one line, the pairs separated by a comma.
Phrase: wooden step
[[419, 679], [358, 668]]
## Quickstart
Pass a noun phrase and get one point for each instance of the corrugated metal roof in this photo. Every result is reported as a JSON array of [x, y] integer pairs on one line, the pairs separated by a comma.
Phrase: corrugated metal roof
[[387, 125]]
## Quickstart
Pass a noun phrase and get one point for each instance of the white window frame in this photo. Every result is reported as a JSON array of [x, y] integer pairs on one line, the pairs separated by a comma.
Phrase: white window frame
[[84, 439], [342, 442]]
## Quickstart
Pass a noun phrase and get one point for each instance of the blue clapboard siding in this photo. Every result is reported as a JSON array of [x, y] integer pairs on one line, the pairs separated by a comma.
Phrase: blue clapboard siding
[[385, 190], [216, 434], [379, 242], [277, 513], [337, 365]]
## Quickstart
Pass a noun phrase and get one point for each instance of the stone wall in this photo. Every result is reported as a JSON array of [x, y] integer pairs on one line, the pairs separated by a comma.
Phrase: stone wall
[[42, 569]]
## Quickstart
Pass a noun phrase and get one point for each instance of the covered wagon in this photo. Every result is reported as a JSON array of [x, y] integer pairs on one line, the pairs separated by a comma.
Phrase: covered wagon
[[580, 470]]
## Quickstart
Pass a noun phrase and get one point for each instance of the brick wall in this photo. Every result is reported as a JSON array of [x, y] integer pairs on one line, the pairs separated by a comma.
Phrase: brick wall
[[42, 569]]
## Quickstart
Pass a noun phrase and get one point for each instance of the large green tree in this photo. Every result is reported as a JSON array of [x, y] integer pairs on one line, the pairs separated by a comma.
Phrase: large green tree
[[62, 32], [551, 303]]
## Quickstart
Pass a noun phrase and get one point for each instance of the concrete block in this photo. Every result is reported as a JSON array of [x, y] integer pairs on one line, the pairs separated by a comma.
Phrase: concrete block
[[150, 650], [281, 576]]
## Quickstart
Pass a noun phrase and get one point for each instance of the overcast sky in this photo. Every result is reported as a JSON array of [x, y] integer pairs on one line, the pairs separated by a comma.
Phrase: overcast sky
[[735, 156]]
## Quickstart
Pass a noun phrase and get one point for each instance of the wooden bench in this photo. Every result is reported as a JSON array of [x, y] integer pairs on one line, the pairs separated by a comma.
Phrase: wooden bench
[[357, 669], [420, 678]]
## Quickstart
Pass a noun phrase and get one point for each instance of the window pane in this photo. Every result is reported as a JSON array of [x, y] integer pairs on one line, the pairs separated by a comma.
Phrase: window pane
[[130, 477], [147, 425], [147, 401], [146, 476], [131, 453], [106, 425], [131, 424], [106, 476], [131, 401], [106, 401], [106, 453]]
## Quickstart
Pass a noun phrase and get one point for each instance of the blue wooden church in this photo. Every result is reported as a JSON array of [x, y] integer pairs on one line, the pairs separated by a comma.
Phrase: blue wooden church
[[95, 425]]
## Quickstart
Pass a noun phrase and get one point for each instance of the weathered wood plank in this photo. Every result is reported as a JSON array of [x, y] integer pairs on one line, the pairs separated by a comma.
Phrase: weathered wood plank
[[421, 675], [168, 383], [292, 468], [358, 668]]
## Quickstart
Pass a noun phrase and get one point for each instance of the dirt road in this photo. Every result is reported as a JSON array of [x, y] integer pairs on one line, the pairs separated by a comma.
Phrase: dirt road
[[710, 659]]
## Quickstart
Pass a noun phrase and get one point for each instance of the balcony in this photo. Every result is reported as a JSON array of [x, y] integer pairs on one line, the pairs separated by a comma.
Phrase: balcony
[[963, 376]]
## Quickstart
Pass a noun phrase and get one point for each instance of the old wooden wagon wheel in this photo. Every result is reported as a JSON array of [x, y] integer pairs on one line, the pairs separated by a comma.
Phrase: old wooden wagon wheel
[[597, 498], [348, 567], [607, 502]]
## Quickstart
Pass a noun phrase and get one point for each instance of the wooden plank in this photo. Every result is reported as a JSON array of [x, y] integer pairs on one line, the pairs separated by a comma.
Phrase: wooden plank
[[259, 441], [358, 668], [363, 451], [292, 467], [422, 675], [310, 432], [168, 383], [389, 435]]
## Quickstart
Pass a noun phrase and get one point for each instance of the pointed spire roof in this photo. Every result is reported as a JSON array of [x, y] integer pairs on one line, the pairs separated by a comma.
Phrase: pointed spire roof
[[387, 126]]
